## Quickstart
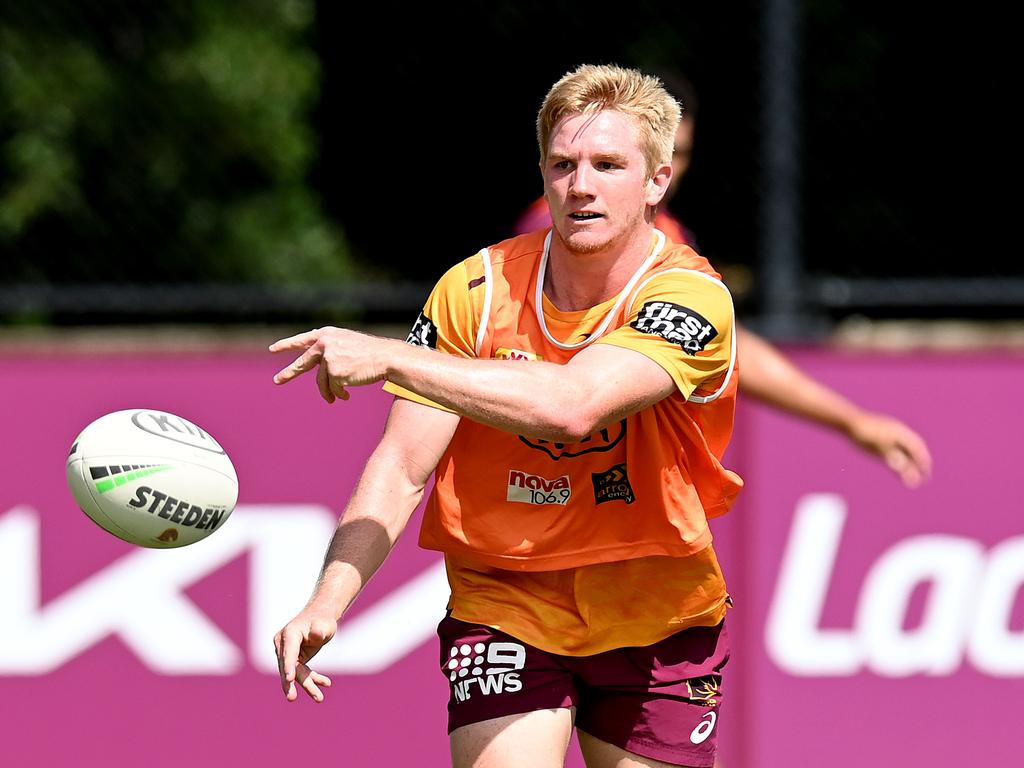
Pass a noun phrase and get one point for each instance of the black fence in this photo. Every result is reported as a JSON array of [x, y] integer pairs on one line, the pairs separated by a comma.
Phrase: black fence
[[237, 160]]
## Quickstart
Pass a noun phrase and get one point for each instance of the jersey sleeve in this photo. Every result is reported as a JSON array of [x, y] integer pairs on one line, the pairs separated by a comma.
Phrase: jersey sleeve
[[448, 322], [682, 320]]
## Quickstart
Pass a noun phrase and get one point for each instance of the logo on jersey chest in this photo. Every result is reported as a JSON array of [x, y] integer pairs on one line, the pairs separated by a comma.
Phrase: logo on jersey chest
[[525, 488], [504, 353], [613, 485], [598, 442]]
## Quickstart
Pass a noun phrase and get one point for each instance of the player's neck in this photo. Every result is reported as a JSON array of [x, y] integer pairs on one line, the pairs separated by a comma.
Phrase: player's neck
[[575, 281]]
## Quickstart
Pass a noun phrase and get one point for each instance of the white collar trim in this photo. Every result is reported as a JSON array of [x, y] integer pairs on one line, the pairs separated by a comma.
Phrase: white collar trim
[[627, 289]]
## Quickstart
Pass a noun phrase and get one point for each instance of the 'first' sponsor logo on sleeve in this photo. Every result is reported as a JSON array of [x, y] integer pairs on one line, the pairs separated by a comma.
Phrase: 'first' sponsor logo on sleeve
[[678, 324], [423, 333]]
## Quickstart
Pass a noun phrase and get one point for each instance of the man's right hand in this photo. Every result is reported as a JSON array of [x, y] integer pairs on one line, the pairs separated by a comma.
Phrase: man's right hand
[[297, 643]]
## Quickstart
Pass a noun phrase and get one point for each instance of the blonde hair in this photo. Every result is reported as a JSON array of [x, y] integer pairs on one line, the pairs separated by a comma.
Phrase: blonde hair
[[592, 88]]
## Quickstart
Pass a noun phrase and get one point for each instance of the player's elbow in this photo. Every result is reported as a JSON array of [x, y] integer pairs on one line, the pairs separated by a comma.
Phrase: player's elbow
[[570, 420], [566, 431]]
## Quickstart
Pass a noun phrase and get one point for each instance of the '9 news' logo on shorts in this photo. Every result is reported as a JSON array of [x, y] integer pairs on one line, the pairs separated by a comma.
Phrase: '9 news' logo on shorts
[[423, 333], [675, 323], [534, 489], [491, 667]]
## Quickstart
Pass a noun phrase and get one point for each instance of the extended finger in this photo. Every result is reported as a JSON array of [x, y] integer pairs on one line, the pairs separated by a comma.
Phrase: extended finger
[[902, 463], [911, 476], [323, 382], [311, 682], [288, 656], [337, 388], [917, 450], [303, 363], [279, 653], [302, 669], [298, 341], [897, 459], [915, 460]]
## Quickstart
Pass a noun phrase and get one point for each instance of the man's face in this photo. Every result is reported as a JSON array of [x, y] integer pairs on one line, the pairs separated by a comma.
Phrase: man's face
[[596, 181], [682, 153]]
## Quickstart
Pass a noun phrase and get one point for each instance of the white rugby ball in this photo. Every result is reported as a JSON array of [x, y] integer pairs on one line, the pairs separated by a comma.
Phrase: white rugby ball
[[152, 478]]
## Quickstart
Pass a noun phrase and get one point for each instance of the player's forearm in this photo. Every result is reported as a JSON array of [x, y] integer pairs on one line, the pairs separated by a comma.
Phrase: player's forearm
[[554, 402], [535, 398], [376, 515], [768, 376]]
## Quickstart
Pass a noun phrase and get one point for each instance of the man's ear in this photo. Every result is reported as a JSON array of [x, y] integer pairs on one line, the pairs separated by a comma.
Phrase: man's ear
[[657, 184]]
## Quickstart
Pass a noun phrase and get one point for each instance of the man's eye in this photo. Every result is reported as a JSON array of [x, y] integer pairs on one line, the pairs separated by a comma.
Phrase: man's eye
[[607, 165], [563, 165]]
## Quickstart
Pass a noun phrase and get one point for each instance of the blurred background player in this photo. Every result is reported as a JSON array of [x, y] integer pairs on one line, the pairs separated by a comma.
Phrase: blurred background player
[[768, 375]]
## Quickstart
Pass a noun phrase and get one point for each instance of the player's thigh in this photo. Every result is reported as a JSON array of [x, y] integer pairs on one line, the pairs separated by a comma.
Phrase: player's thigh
[[601, 754], [657, 703], [537, 739]]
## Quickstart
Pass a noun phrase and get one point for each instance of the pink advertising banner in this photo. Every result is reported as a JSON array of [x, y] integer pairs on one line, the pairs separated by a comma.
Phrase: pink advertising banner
[[872, 623], [875, 624]]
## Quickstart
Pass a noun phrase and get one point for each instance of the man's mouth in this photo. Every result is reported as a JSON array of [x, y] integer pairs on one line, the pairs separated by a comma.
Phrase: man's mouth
[[584, 216]]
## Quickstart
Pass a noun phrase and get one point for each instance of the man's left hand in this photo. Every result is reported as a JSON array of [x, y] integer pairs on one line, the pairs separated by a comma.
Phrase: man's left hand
[[901, 448]]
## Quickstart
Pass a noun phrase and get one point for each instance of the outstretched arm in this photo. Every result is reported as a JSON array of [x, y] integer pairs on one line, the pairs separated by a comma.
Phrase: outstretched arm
[[599, 386], [767, 375], [386, 495]]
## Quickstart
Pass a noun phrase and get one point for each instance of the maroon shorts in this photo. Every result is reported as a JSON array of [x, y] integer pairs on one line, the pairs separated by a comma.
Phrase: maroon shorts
[[659, 701]]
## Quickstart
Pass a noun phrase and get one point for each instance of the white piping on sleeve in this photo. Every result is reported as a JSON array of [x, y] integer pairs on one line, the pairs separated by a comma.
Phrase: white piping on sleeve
[[702, 399], [485, 313]]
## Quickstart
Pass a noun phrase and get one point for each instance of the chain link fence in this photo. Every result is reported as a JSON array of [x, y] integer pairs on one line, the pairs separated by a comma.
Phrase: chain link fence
[[242, 161]]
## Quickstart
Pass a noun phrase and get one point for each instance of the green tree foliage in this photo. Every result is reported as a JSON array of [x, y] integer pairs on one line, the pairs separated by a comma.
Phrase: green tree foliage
[[161, 142]]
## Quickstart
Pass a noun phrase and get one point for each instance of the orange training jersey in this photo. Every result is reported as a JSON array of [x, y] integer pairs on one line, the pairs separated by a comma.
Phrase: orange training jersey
[[537, 533]]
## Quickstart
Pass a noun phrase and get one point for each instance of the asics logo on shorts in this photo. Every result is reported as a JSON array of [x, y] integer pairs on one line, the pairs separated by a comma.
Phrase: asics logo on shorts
[[485, 668], [707, 724]]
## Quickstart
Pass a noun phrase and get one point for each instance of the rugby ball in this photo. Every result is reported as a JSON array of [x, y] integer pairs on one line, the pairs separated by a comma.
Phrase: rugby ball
[[152, 478]]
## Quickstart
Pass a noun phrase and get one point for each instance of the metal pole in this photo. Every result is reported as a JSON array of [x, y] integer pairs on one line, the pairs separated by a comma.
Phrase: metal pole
[[780, 247]]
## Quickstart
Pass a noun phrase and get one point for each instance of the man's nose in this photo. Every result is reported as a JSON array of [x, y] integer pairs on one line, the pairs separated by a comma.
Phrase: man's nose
[[580, 182]]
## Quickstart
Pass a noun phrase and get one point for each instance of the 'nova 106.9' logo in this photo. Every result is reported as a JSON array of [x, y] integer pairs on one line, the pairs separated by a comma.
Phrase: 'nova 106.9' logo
[[525, 488]]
